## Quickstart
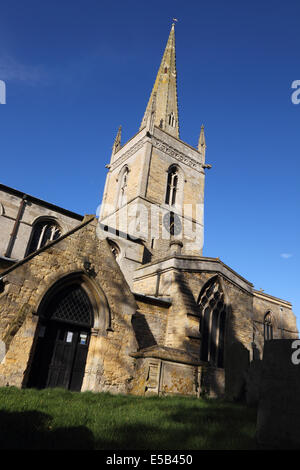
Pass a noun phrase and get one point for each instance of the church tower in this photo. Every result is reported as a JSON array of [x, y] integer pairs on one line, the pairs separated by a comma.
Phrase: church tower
[[154, 189]]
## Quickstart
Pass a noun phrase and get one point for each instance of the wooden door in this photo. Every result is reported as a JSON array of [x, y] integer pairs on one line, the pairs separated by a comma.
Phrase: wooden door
[[60, 356]]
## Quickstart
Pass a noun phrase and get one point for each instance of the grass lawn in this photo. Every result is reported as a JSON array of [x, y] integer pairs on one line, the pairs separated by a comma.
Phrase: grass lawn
[[58, 419]]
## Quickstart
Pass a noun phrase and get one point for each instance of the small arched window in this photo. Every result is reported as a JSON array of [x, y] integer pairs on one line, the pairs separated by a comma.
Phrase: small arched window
[[172, 186], [268, 327], [42, 232]]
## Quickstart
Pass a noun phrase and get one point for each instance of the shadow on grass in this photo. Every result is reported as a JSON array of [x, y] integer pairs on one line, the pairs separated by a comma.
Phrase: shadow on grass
[[214, 427], [31, 430], [104, 423]]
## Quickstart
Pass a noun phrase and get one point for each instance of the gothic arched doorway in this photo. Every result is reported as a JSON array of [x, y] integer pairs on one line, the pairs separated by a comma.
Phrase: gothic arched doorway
[[63, 339]]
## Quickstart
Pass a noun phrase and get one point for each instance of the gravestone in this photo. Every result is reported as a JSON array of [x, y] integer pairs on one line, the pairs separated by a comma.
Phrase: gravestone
[[235, 376], [278, 418]]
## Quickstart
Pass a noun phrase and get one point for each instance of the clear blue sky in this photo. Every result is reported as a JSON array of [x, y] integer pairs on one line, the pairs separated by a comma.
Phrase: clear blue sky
[[76, 70]]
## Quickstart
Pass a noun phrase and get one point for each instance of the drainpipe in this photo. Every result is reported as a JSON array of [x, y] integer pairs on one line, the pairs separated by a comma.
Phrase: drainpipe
[[15, 227]]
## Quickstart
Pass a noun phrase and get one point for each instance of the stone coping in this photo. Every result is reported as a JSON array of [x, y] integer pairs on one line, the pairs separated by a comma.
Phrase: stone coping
[[271, 298], [192, 264], [163, 301], [167, 354]]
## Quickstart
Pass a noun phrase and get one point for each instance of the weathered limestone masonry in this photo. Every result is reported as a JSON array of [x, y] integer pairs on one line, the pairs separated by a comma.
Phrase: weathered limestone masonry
[[109, 365], [282, 316], [129, 303], [181, 280], [148, 157]]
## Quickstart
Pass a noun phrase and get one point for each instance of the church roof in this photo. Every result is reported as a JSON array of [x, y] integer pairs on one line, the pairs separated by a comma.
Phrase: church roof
[[41, 202]]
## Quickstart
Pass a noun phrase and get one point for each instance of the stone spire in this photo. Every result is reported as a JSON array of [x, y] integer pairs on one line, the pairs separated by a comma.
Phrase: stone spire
[[165, 90]]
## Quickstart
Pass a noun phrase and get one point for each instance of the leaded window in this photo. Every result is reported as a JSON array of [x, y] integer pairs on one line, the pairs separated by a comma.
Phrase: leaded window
[[71, 305]]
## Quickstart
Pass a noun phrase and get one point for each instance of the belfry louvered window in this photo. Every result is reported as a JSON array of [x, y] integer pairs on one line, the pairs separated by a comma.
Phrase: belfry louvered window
[[43, 231], [172, 186], [212, 323], [71, 305]]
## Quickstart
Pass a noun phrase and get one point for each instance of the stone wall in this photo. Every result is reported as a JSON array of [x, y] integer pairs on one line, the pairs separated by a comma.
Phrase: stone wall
[[109, 365], [160, 321], [150, 322], [181, 279], [148, 158], [283, 320], [163, 371]]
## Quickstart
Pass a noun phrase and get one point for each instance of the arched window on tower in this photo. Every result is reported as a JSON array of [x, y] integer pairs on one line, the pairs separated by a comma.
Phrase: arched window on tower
[[268, 327], [172, 186], [212, 323], [43, 231], [123, 187]]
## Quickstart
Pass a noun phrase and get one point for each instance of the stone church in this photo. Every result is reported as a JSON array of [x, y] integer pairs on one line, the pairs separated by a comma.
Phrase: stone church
[[125, 301]]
